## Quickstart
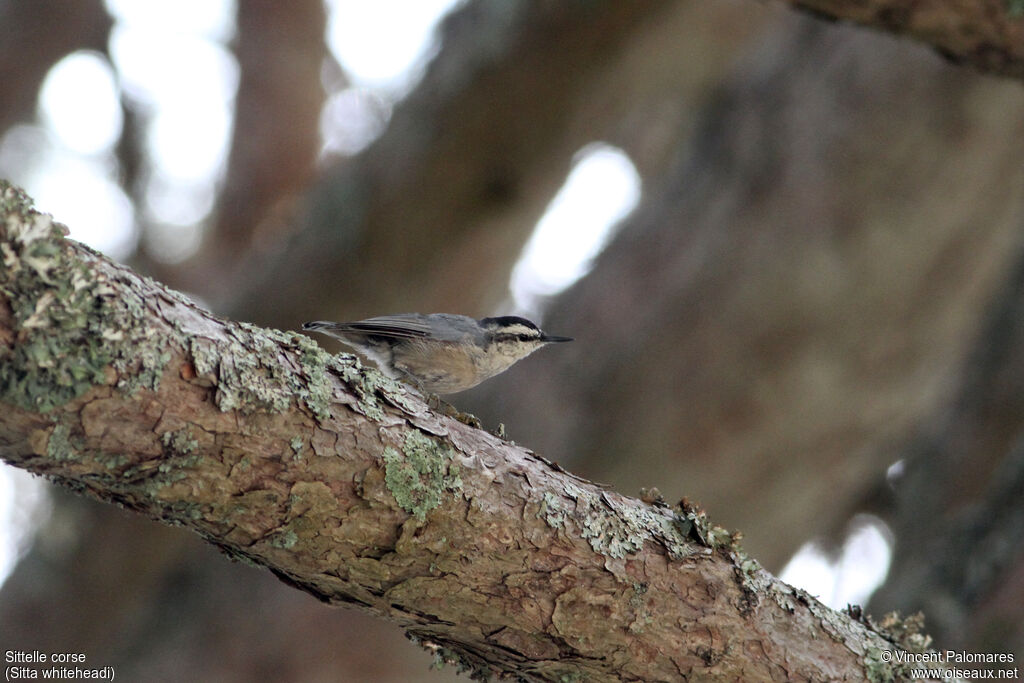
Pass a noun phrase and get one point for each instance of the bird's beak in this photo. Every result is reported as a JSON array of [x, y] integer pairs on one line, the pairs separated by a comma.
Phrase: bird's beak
[[547, 338]]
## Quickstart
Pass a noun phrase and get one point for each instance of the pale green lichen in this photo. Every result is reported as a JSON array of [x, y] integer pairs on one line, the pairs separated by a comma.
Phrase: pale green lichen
[[284, 540], [317, 389], [69, 324], [421, 474], [251, 372], [611, 528], [608, 535], [152, 361], [642, 618], [149, 355], [73, 324], [59, 447], [366, 382], [553, 510], [248, 369], [204, 355], [180, 441], [369, 384], [296, 445], [58, 355], [876, 668], [253, 376], [179, 512], [111, 461], [695, 524], [906, 633], [173, 466], [179, 455]]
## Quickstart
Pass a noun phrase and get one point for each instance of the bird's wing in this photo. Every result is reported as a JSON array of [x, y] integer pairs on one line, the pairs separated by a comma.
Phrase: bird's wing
[[405, 326]]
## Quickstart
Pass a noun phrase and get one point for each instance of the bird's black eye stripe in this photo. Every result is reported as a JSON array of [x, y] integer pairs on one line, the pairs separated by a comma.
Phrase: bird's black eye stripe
[[516, 337]]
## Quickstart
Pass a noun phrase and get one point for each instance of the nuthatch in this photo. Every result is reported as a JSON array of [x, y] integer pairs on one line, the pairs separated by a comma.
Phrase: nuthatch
[[440, 353]]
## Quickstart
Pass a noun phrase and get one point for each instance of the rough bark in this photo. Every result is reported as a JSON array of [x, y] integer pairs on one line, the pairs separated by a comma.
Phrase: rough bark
[[986, 34], [347, 486]]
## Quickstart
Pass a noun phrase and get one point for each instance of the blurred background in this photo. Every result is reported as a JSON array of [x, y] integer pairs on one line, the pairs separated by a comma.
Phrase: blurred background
[[790, 253]]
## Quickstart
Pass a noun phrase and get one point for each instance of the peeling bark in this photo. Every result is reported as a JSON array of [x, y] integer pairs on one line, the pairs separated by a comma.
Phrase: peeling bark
[[346, 485]]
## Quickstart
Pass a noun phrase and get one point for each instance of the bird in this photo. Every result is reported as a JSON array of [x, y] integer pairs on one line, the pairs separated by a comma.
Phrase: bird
[[440, 353]]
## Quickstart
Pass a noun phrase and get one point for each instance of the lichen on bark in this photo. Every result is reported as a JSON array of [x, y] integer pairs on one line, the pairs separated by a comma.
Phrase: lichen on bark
[[65, 316], [73, 323], [421, 474]]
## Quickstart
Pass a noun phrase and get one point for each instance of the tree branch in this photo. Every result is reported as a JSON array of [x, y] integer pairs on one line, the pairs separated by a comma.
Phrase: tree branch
[[345, 485], [988, 34]]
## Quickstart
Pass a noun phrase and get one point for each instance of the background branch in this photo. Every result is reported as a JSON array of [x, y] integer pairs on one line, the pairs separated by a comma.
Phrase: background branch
[[987, 34]]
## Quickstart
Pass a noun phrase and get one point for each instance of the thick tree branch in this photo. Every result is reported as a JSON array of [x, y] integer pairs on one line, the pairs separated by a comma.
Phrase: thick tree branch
[[987, 34], [344, 484]]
